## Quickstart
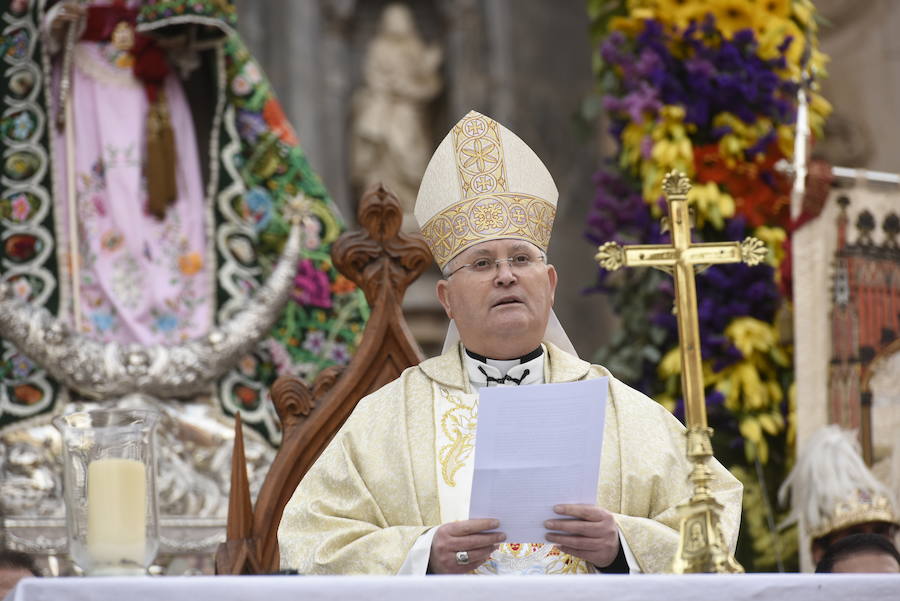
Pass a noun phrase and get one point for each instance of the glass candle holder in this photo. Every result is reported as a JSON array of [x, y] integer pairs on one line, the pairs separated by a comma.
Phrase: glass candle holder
[[109, 485]]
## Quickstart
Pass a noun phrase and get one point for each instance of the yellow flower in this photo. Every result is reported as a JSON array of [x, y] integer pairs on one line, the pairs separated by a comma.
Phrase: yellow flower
[[672, 153], [769, 423], [734, 15], [632, 139], [803, 10], [670, 364], [674, 12], [819, 109], [772, 33], [785, 139], [741, 136], [630, 26], [744, 388], [818, 63], [774, 237], [672, 149], [750, 429], [749, 334], [779, 8], [711, 204]]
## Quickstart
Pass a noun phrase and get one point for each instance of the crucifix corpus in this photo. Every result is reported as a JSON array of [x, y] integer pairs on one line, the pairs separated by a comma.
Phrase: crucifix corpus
[[702, 547]]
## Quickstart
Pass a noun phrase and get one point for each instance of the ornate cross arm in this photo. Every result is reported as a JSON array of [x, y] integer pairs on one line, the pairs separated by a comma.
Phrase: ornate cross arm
[[611, 256]]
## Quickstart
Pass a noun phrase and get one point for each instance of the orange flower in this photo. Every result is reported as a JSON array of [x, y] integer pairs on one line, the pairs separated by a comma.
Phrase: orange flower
[[274, 117], [190, 263], [27, 394], [342, 285]]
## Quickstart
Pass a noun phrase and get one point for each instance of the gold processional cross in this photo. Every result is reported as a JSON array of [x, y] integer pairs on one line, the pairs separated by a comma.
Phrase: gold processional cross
[[702, 547]]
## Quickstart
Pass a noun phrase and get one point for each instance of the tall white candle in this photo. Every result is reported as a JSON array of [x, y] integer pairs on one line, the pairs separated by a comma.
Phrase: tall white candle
[[117, 510]]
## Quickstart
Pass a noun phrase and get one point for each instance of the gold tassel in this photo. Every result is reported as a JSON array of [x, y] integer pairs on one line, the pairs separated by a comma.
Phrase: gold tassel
[[160, 167]]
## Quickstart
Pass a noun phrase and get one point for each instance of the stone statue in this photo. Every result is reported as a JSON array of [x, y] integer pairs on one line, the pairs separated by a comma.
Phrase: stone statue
[[390, 140]]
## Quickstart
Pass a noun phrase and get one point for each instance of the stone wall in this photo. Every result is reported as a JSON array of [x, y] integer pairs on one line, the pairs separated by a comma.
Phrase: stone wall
[[526, 64]]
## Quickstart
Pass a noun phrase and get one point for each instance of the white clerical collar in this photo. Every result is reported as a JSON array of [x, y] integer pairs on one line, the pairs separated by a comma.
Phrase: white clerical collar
[[523, 371]]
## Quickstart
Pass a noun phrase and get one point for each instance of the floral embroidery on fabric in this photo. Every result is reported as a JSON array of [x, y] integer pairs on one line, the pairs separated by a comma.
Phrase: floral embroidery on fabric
[[112, 241], [191, 263], [21, 208], [458, 424], [257, 166], [120, 59], [126, 281], [533, 558], [311, 286]]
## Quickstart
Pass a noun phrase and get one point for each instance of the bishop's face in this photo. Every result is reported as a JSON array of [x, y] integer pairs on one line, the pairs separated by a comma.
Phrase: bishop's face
[[501, 311]]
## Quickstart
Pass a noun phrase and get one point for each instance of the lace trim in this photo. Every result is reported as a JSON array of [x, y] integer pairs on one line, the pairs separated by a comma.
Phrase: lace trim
[[88, 64]]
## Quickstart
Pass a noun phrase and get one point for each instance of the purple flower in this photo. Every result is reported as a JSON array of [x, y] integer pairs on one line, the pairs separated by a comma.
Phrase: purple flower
[[315, 341], [21, 366], [311, 286], [251, 125], [339, 354]]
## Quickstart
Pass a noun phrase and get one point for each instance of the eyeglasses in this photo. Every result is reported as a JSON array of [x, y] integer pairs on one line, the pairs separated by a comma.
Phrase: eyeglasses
[[483, 266]]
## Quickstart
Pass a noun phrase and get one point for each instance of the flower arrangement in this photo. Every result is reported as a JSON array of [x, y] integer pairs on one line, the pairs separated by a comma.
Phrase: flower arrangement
[[709, 87]]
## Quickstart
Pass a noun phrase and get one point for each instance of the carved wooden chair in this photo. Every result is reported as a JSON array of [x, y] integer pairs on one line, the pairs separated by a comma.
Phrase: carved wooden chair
[[383, 262]]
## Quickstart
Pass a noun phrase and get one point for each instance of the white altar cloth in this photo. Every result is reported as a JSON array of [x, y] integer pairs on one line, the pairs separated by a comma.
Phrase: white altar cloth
[[791, 587]]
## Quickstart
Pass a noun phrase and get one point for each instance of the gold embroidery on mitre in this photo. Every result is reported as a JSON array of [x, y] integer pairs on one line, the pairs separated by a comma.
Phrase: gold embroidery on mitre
[[479, 156], [458, 424], [489, 217]]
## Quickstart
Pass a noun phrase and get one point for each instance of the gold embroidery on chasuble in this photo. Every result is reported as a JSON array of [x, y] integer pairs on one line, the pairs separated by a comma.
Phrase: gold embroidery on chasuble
[[457, 424], [458, 427]]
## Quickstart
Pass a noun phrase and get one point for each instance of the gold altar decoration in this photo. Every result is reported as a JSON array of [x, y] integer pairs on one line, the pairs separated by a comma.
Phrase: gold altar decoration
[[702, 547]]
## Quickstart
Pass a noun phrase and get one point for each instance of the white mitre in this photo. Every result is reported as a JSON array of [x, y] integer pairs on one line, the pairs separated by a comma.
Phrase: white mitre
[[484, 183]]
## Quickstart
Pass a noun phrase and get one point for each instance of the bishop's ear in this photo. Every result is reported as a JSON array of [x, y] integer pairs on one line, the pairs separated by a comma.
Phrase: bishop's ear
[[554, 277], [443, 294]]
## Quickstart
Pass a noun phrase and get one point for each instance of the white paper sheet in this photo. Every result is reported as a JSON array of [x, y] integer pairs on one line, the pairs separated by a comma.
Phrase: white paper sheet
[[535, 447]]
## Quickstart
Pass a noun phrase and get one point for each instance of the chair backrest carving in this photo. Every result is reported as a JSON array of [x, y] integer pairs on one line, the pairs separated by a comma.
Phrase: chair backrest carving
[[383, 262]]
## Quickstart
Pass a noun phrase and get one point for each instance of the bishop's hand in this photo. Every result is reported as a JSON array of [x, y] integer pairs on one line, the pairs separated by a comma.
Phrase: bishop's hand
[[460, 547], [587, 532]]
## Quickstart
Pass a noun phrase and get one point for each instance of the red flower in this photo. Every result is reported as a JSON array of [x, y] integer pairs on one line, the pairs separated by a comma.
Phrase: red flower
[[761, 194], [21, 247], [247, 395]]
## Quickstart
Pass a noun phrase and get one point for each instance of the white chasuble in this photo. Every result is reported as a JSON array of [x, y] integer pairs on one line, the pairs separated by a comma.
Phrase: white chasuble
[[380, 484], [456, 418]]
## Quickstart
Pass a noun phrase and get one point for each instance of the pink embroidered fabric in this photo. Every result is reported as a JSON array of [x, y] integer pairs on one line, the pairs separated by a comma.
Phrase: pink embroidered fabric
[[142, 280]]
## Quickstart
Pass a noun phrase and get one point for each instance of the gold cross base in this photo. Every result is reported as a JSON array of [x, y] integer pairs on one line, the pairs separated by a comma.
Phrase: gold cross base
[[702, 547]]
